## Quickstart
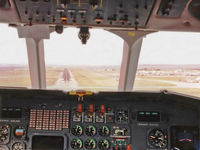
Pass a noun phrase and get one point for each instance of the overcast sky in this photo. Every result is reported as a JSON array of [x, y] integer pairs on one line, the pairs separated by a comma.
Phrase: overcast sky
[[103, 48]]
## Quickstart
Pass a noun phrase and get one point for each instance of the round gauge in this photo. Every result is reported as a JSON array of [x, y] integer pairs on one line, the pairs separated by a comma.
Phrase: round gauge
[[157, 138], [122, 115], [76, 143], [90, 130], [4, 133], [104, 131], [77, 130], [120, 131], [124, 132], [3, 147], [18, 146], [90, 144], [104, 144]]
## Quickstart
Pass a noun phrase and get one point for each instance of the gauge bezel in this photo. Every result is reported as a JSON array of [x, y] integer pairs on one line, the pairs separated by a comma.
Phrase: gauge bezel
[[164, 131], [87, 128], [77, 134], [8, 134], [102, 140], [24, 145], [90, 148], [77, 148]]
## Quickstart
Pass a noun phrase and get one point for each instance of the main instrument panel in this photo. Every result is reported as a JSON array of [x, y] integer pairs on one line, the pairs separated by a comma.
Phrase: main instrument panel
[[52, 120]]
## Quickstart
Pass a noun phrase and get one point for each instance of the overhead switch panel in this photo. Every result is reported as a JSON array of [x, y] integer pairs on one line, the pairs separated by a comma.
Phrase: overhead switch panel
[[171, 8], [4, 4], [119, 13], [194, 8]]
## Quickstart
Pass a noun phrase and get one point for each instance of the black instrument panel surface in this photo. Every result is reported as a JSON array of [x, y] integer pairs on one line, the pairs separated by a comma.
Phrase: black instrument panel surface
[[103, 121]]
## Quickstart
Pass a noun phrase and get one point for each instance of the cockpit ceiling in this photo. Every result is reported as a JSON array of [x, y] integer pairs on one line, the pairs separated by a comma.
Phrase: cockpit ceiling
[[169, 15]]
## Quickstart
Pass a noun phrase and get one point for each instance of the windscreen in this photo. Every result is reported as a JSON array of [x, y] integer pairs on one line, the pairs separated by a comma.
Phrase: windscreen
[[14, 70], [72, 65], [169, 60]]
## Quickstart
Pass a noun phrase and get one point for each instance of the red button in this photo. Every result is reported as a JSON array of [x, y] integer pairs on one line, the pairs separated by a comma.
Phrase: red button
[[108, 109], [102, 109], [110, 118], [79, 109], [128, 147], [91, 108]]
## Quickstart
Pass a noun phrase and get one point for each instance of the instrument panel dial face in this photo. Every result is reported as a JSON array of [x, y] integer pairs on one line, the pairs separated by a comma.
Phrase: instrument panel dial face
[[104, 131], [77, 130], [3, 147], [90, 130], [157, 138], [4, 134], [76, 143], [90, 144], [104, 144], [18, 146]]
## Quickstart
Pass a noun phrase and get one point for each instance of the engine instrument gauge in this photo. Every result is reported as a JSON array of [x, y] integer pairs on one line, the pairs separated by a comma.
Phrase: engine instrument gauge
[[104, 131], [90, 130], [157, 138], [3, 147], [76, 143], [119, 131], [104, 144], [18, 146], [122, 116], [90, 144], [4, 134], [77, 130]]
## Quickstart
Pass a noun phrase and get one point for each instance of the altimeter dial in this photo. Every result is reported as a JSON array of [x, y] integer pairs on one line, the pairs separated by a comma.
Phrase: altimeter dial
[[157, 138]]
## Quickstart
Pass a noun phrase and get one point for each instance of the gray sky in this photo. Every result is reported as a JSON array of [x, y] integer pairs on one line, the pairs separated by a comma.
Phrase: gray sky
[[103, 48]]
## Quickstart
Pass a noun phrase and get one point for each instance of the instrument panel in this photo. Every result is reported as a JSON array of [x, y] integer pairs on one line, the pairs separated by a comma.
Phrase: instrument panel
[[53, 120]]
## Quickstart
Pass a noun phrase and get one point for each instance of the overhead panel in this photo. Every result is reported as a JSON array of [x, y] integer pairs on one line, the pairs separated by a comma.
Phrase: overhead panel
[[171, 8], [115, 13], [194, 8], [4, 4]]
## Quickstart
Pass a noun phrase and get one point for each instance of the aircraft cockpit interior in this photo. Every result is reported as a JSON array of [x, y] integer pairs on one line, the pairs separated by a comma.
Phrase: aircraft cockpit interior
[[117, 93]]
